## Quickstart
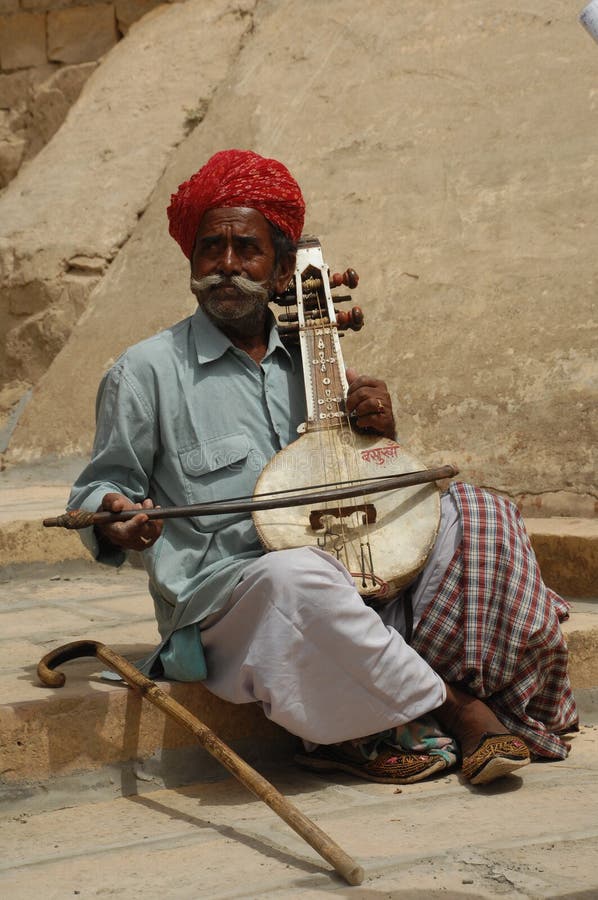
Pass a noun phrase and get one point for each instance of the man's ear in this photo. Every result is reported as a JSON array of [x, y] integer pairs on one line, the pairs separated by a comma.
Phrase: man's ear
[[286, 270]]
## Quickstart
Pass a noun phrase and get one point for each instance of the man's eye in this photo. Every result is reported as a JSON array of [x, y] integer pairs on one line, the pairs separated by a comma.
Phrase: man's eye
[[249, 249]]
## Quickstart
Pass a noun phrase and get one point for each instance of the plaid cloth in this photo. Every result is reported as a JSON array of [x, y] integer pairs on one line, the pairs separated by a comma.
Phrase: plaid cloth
[[493, 626]]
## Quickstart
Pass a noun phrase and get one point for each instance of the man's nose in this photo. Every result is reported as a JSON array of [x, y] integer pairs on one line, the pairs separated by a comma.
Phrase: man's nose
[[229, 262]]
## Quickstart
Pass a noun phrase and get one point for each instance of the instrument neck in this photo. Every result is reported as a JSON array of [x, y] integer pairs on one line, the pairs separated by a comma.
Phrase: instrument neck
[[323, 366]]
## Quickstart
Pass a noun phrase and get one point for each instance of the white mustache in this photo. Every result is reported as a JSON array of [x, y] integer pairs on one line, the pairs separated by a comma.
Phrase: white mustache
[[256, 289]]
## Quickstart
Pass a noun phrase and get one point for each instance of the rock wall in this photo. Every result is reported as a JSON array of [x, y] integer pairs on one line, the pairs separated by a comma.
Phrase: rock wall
[[34, 103], [64, 217], [449, 155], [36, 32], [48, 49]]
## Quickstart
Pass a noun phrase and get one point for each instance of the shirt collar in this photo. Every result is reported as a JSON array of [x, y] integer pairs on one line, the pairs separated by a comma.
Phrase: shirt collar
[[211, 343]]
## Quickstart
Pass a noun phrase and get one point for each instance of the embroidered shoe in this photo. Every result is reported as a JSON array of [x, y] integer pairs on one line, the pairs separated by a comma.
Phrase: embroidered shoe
[[496, 755], [389, 767]]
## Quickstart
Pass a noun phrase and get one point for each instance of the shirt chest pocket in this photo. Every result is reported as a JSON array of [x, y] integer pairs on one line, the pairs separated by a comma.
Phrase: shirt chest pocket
[[219, 468]]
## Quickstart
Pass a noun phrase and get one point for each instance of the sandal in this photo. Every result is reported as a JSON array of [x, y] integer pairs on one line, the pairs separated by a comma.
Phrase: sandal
[[496, 755], [389, 767]]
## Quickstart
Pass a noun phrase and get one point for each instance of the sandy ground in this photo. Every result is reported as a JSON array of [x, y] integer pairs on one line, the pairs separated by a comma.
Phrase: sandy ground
[[532, 836]]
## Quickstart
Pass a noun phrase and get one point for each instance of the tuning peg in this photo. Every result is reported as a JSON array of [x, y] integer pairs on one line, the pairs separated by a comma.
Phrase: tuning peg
[[352, 319], [349, 278]]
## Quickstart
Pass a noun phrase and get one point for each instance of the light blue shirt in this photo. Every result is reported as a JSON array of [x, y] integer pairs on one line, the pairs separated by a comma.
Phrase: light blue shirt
[[186, 417]]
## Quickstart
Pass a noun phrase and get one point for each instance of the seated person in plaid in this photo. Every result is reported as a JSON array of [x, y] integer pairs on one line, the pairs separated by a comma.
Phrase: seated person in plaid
[[185, 415]]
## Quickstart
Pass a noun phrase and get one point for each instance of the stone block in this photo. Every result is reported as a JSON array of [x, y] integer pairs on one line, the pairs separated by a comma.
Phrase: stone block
[[81, 34], [22, 40], [582, 643], [45, 737], [567, 552], [46, 5], [129, 11], [41, 5], [8, 6]]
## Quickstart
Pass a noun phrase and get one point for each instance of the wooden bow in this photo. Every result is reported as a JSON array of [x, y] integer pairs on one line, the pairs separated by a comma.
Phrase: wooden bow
[[81, 518]]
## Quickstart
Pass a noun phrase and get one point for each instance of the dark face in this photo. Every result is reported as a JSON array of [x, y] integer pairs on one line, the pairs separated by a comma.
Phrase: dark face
[[237, 242]]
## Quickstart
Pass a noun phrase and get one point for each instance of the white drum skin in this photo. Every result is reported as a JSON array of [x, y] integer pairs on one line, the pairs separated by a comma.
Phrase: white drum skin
[[406, 519]]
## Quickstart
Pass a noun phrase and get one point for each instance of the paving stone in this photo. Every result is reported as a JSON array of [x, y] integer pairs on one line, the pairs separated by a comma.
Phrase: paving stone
[[216, 841]]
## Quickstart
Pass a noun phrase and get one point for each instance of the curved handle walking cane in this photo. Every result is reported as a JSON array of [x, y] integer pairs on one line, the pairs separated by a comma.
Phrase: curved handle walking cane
[[259, 786]]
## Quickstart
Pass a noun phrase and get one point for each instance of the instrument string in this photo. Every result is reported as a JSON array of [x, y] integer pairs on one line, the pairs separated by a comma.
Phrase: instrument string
[[345, 531], [294, 492], [327, 394], [364, 552], [360, 547]]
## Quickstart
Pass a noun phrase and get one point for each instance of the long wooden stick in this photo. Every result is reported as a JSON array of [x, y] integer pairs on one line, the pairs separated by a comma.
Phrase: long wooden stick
[[259, 786], [80, 518]]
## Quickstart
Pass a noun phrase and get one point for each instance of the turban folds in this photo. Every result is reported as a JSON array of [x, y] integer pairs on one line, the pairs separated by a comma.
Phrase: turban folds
[[236, 178]]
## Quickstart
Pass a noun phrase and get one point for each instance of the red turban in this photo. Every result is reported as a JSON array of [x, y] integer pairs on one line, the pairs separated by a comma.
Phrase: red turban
[[236, 178]]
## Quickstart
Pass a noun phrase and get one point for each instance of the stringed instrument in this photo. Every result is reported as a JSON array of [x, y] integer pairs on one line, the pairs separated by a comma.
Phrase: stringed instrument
[[361, 497], [383, 540]]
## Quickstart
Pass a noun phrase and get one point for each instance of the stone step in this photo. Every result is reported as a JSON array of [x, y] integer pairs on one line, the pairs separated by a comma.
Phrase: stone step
[[567, 552], [91, 723]]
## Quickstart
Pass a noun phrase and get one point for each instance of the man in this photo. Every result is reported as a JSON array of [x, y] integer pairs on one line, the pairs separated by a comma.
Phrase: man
[[193, 414]]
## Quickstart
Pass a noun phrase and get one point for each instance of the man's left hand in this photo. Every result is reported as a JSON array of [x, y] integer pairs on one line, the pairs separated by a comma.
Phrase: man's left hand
[[369, 404]]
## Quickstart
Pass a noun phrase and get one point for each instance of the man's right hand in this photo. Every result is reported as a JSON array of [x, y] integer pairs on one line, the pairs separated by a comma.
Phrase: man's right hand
[[138, 533]]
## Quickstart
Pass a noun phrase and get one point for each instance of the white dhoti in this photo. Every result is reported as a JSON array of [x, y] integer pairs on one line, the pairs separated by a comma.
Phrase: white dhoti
[[296, 637]]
